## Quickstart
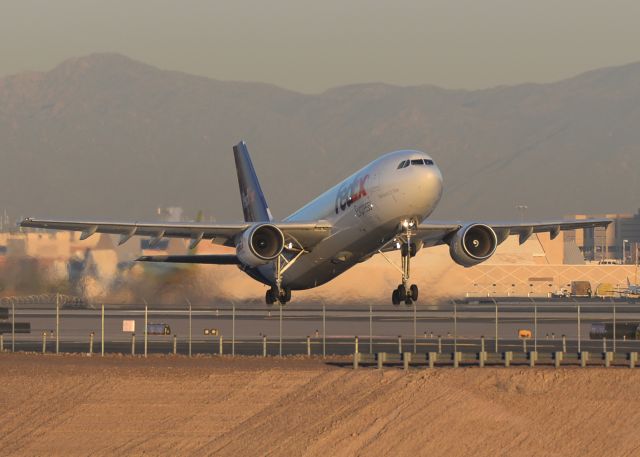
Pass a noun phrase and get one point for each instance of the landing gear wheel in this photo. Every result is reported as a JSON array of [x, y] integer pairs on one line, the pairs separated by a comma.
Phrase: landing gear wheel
[[402, 293], [414, 292], [394, 297], [269, 298], [408, 301], [283, 297]]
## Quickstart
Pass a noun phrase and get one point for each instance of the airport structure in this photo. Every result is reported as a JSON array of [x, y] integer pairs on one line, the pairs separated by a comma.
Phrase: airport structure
[[620, 241]]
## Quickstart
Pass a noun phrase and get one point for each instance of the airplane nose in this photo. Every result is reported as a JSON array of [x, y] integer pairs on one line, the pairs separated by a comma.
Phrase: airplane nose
[[432, 183], [432, 177]]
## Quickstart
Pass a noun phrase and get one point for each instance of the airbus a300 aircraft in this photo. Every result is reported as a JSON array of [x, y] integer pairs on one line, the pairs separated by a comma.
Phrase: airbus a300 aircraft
[[381, 208]]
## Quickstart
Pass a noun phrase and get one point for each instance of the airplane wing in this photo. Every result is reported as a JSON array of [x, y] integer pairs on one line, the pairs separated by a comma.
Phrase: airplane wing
[[306, 234], [435, 233]]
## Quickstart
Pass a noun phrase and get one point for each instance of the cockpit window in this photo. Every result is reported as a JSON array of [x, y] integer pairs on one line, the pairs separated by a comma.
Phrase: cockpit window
[[406, 163]]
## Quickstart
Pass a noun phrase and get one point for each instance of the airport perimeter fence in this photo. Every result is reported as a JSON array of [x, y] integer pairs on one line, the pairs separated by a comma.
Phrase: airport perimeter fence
[[466, 327]]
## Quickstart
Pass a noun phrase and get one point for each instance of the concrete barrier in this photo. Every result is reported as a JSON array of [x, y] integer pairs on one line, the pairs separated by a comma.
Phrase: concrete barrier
[[608, 358], [584, 358], [457, 357], [406, 360], [433, 357], [557, 358]]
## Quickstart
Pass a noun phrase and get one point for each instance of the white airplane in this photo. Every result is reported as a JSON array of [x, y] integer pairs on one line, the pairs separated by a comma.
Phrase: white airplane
[[381, 208]]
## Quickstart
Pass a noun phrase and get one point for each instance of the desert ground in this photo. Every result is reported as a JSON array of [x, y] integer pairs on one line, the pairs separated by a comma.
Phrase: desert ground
[[78, 405]]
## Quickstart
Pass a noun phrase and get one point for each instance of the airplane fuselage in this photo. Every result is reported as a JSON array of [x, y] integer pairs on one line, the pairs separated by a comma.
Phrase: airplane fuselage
[[366, 211]]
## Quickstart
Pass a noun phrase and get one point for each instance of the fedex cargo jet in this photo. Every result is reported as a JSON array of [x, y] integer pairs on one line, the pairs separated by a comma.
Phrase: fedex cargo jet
[[381, 208]]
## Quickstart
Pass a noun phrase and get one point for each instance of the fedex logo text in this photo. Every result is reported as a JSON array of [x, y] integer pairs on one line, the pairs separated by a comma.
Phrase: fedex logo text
[[349, 193]]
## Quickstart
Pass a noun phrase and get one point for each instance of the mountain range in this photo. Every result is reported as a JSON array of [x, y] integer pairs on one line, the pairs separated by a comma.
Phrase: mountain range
[[107, 137]]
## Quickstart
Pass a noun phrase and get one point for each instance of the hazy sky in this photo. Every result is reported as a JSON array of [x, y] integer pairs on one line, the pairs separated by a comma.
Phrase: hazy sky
[[312, 45]]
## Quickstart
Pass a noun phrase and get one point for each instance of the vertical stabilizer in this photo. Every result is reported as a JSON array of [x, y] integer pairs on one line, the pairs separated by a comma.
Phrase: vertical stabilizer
[[254, 205]]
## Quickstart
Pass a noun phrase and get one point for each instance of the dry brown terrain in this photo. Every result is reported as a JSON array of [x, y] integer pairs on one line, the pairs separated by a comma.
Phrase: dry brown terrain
[[75, 405]]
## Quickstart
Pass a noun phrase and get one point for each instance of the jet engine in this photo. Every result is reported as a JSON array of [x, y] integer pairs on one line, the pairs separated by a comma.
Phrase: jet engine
[[473, 244], [260, 244]]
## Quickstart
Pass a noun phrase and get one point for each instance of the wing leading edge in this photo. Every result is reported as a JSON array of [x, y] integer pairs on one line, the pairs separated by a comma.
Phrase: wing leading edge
[[307, 234], [435, 233]]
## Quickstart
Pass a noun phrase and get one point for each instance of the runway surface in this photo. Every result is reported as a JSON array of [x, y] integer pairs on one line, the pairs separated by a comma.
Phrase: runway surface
[[332, 331]]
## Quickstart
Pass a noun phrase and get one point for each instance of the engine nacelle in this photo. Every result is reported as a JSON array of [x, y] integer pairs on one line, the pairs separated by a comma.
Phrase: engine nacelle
[[260, 244], [473, 244]]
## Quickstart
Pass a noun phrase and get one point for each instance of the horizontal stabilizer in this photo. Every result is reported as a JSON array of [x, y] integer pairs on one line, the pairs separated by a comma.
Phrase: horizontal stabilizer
[[219, 259]]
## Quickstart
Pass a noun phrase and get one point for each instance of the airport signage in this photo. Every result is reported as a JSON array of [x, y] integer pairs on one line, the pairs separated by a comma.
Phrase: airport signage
[[129, 325], [524, 334]]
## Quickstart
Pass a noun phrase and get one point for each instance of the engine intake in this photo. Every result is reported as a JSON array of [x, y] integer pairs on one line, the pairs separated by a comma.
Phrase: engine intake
[[473, 244], [260, 244]]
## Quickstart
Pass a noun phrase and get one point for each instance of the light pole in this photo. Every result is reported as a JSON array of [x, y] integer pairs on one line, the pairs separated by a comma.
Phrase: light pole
[[624, 251]]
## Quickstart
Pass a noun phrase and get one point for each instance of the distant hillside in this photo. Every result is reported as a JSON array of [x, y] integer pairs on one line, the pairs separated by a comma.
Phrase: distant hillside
[[105, 136]]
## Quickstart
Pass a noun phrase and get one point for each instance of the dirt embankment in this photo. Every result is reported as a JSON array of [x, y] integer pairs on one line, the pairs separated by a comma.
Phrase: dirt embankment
[[73, 405]]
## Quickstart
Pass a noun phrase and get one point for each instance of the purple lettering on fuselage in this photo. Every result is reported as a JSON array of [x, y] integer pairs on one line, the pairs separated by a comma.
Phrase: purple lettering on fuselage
[[349, 193]]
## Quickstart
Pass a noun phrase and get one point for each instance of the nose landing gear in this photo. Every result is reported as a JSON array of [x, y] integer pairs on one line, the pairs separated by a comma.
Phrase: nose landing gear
[[404, 292]]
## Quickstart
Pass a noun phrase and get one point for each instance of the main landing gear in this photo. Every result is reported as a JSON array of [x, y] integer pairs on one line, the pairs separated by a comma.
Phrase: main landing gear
[[282, 296], [277, 293]]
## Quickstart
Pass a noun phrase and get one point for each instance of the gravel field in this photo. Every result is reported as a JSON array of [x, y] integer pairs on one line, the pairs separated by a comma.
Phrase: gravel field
[[78, 405]]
